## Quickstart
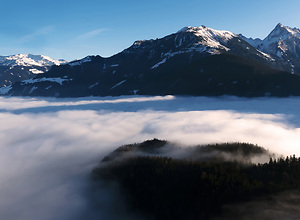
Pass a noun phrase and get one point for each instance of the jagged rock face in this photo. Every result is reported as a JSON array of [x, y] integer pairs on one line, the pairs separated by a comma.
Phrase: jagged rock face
[[281, 39]]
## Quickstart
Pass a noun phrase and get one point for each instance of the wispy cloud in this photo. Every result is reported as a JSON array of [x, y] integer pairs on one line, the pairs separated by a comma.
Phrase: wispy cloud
[[90, 34], [37, 33]]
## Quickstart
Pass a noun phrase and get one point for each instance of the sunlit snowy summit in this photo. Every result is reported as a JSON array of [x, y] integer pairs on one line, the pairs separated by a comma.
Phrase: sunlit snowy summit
[[198, 61], [209, 37], [24, 66], [283, 43], [29, 60]]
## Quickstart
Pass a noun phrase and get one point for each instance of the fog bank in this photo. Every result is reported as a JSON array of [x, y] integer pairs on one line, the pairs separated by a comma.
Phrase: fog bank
[[49, 146]]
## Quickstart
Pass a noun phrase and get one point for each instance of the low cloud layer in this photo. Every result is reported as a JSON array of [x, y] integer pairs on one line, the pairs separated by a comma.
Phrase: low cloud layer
[[48, 147]]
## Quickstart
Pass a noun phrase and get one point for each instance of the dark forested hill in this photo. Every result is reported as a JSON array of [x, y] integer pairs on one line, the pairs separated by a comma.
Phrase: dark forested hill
[[197, 184]]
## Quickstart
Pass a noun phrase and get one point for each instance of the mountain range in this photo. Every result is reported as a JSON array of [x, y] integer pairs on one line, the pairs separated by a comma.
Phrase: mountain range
[[192, 61]]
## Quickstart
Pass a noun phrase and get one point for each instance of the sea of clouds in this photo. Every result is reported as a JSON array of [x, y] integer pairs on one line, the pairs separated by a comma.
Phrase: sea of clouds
[[48, 146]]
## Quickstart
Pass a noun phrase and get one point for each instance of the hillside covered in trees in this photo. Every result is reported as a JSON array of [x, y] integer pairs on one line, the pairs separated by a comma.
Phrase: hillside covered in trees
[[199, 184]]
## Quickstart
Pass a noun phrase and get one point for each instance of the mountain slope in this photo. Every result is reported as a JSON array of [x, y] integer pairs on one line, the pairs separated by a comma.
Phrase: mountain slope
[[233, 75]]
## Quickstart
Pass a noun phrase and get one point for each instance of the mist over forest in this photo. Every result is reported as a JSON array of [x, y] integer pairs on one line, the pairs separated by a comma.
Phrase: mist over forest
[[49, 147]]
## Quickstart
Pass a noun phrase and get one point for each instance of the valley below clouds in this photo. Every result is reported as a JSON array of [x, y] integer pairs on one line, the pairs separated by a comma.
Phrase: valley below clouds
[[49, 146]]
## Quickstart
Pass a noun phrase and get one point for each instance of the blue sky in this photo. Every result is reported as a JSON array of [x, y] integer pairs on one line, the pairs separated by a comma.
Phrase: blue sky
[[75, 29]]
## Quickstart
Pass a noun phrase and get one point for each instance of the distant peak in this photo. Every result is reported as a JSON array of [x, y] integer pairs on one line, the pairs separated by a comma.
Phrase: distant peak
[[29, 60], [281, 26], [283, 31]]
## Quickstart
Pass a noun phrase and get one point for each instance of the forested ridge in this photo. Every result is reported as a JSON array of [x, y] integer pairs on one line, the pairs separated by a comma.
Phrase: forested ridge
[[168, 188]]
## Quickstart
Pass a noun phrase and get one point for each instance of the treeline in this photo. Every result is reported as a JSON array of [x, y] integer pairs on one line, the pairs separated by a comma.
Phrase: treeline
[[236, 151], [169, 188]]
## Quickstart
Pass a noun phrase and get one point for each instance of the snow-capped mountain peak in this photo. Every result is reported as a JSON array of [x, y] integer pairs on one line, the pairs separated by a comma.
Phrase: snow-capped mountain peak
[[201, 40], [283, 43], [210, 37], [283, 32], [24, 66], [279, 35], [281, 40], [204, 31], [28, 60]]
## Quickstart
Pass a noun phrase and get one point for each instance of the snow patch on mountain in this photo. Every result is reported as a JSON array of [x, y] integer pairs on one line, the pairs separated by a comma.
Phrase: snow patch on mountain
[[158, 64], [36, 71], [117, 84], [44, 79], [32, 89], [267, 56], [138, 42], [79, 62], [91, 86], [5, 89], [114, 65]]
